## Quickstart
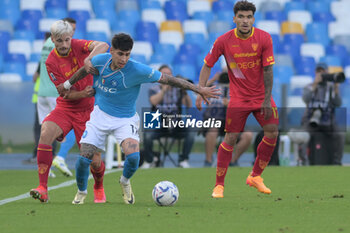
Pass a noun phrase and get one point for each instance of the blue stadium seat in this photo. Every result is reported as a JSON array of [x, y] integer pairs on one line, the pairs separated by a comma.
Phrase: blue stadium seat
[[176, 10], [161, 58], [167, 49], [81, 16], [318, 33], [294, 39], [27, 24], [98, 5], [187, 71], [324, 17], [282, 73], [284, 60], [293, 5], [15, 67], [139, 57], [279, 16], [346, 62], [337, 50], [107, 13], [10, 13], [213, 36], [35, 57], [1, 62], [15, 57], [331, 60], [56, 4], [147, 31], [317, 6], [58, 13], [24, 35], [305, 66], [124, 26], [270, 6], [150, 4], [219, 26], [5, 36], [197, 38], [79, 34], [287, 48], [122, 5], [189, 49], [225, 15], [32, 14], [99, 36], [343, 40], [181, 58], [206, 16], [131, 16], [219, 6], [275, 41]]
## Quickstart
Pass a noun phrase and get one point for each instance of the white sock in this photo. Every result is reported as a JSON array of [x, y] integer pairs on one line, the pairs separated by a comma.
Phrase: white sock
[[124, 180], [59, 157], [85, 191]]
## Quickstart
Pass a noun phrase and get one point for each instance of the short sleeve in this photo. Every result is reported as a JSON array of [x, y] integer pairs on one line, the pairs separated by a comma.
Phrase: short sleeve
[[146, 74], [267, 52], [215, 52], [83, 44]]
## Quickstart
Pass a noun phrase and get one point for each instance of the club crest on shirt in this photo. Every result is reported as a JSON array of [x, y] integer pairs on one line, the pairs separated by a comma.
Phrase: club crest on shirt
[[255, 46], [114, 83]]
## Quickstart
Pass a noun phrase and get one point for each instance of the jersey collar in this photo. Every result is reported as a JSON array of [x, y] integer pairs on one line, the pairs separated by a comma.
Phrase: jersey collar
[[253, 30]]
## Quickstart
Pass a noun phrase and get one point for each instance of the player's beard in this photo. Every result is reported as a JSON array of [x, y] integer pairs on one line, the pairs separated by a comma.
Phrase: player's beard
[[63, 51], [245, 33]]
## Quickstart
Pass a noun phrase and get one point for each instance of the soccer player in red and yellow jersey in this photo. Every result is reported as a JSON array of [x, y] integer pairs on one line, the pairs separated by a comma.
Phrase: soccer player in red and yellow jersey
[[249, 57], [71, 112]]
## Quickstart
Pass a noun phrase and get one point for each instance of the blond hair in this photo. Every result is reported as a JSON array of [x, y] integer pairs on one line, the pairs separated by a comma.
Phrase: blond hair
[[60, 28]]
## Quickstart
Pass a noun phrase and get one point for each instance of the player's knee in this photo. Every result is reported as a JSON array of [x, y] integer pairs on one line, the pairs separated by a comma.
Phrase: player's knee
[[271, 134], [87, 150], [231, 138], [247, 136], [130, 146]]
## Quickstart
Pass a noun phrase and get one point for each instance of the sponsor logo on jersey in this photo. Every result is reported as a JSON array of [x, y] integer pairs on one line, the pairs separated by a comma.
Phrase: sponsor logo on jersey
[[53, 77]]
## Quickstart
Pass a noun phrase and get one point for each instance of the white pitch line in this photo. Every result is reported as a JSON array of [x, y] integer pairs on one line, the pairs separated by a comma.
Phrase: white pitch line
[[62, 185]]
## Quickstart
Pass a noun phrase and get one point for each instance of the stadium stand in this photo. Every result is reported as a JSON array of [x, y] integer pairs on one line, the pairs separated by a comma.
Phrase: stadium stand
[[181, 32]]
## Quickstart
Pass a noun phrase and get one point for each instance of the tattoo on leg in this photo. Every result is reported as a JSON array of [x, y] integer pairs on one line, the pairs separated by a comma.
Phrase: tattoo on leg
[[131, 145], [87, 150]]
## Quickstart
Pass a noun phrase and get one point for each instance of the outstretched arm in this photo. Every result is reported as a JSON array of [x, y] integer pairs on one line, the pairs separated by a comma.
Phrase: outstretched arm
[[268, 82], [203, 78], [205, 92]]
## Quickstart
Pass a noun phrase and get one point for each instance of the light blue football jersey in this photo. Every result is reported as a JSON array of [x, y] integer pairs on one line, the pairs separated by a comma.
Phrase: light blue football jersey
[[117, 91]]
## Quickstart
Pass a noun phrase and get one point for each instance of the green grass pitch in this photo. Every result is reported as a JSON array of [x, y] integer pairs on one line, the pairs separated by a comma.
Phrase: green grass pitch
[[303, 199]]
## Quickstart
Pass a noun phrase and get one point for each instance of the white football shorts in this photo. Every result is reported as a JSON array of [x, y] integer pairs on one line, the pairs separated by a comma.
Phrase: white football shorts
[[101, 125], [45, 105]]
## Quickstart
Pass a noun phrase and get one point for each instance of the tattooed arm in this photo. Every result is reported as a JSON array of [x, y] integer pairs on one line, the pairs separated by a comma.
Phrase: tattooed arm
[[268, 82], [80, 74], [205, 92]]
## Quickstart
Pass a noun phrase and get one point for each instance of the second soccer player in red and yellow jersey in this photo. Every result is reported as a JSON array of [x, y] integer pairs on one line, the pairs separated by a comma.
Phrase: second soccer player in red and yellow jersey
[[248, 52]]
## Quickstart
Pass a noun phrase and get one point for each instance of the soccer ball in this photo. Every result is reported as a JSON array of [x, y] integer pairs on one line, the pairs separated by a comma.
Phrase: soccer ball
[[165, 193]]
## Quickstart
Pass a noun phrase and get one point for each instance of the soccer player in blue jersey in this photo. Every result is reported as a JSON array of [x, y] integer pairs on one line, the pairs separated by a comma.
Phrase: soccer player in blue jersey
[[117, 87]]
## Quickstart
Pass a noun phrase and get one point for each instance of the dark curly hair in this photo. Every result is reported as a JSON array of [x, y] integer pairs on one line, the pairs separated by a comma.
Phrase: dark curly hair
[[244, 5], [122, 41]]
